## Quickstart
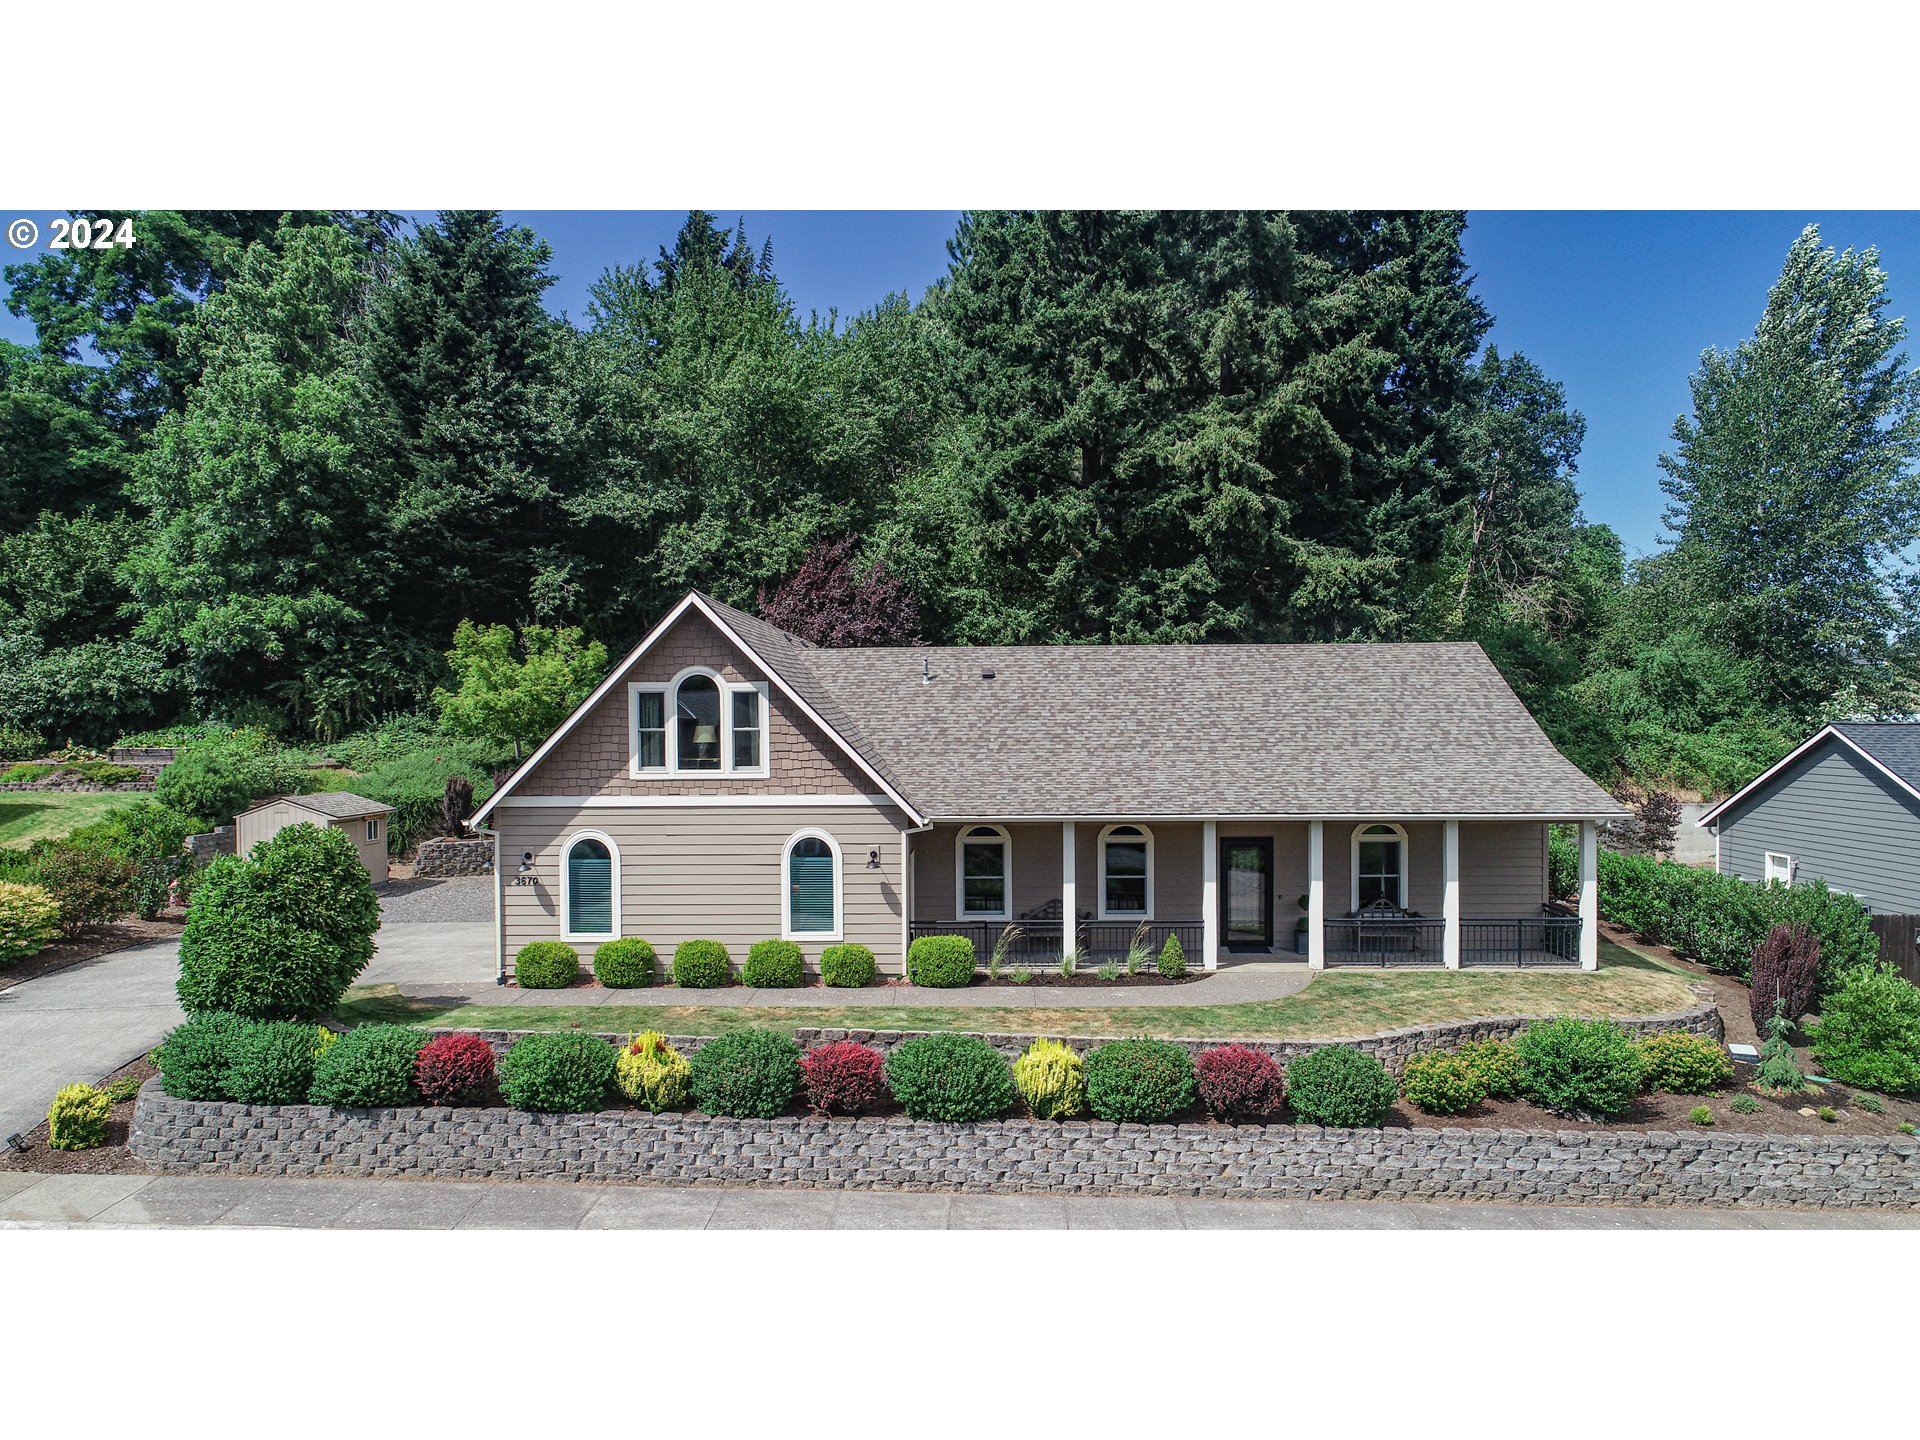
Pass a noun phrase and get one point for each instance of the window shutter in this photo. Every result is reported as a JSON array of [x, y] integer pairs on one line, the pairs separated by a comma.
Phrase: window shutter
[[810, 892], [589, 892]]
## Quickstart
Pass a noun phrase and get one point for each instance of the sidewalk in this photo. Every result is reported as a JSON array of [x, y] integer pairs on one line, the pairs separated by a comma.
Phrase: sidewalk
[[138, 1201]]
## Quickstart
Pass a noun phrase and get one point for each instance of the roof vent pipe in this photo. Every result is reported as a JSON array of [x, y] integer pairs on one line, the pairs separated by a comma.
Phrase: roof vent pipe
[[926, 671]]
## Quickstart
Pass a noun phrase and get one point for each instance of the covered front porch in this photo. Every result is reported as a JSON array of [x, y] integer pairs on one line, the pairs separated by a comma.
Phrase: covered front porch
[[1389, 893]]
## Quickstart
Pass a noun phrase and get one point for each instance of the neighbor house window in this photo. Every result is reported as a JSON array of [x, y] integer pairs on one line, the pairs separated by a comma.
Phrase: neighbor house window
[[696, 710], [1780, 868], [591, 891], [1126, 873], [984, 877], [699, 724], [811, 882], [373, 829], [1379, 866]]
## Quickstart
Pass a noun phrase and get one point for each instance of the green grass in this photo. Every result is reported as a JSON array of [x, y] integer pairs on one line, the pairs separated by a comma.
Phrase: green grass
[[1338, 1002], [30, 815]]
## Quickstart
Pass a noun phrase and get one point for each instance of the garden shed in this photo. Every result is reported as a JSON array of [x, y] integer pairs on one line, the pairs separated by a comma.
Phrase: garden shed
[[363, 820]]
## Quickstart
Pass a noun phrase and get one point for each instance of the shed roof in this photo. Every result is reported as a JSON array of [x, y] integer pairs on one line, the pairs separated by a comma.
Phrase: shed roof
[[334, 804]]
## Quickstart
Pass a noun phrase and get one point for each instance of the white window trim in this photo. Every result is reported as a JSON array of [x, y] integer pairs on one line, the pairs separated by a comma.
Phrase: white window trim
[[1353, 863], [667, 689], [787, 932], [1767, 877], [1100, 849], [373, 829], [960, 842], [567, 931]]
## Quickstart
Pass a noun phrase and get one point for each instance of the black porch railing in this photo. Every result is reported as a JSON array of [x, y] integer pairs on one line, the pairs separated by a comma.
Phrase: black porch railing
[[1386, 940], [1545, 941], [1539, 941], [1039, 942]]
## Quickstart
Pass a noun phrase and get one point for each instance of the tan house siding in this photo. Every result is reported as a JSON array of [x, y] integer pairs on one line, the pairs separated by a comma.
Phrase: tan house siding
[[1503, 869], [705, 872], [595, 757]]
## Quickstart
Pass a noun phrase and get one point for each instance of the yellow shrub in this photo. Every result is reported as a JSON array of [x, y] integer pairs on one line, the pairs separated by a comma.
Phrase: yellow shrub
[[651, 1072], [29, 918], [77, 1119], [323, 1041], [1052, 1080]]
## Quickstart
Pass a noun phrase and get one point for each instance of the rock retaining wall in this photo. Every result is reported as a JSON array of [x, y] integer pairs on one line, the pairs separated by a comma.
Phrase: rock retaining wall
[[203, 848], [1092, 1157], [447, 856]]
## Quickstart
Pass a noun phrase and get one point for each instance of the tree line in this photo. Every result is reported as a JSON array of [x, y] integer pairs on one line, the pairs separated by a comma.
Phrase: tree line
[[260, 467]]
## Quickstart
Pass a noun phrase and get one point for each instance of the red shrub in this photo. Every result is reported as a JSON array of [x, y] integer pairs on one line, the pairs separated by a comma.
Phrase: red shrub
[[1237, 1082], [1785, 965], [844, 1078], [453, 1070]]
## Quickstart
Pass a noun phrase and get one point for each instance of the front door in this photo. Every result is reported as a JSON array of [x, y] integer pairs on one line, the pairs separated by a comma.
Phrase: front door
[[1247, 900]]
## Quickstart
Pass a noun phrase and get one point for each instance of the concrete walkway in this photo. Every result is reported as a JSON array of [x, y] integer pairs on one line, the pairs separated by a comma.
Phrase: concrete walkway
[[190, 1200]]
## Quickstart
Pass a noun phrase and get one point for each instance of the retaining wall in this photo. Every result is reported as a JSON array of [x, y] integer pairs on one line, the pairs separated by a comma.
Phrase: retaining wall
[[447, 856]]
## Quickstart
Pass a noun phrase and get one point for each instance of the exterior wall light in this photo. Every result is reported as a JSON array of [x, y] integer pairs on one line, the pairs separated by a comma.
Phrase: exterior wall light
[[873, 859], [526, 862]]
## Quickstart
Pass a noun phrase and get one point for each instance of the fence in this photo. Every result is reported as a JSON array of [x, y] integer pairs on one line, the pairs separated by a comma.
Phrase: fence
[[1899, 937]]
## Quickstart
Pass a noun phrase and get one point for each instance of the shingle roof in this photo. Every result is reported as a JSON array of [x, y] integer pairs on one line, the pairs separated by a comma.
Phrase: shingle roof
[[339, 804], [1894, 744], [1158, 731]]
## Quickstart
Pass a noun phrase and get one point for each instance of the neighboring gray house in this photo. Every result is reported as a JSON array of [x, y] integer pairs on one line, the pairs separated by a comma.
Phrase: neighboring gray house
[[363, 821], [1843, 808], [731, 781]]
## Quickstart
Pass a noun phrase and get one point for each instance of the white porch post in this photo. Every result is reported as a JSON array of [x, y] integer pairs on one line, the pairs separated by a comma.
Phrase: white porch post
[[1316, 895], [1069, 900], [906, 897], [1210, 894], [1450, 905], [1589, 895]]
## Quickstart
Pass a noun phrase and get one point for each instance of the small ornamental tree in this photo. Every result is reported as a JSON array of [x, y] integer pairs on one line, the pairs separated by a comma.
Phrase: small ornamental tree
[[1786, 969], [1777, 1067], [456, 804], [516, 692], [834, 601]]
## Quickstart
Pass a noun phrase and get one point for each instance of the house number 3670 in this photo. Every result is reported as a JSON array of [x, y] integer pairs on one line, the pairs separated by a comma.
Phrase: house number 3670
[[526, 880]]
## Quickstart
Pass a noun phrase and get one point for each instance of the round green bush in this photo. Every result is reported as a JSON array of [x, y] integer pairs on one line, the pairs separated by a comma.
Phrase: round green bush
[[624, 964], [563, 1071], [280, 934], [1339, 1085], [950, 1077], [774, 965], [1496, 1066], [1172, 963], [193, 1058], [1143, 1081], [1583, 1068], [849, 966], [701, 965], [271, 1062], [1683, 1064], [546, 965], [371, 1065], [1869, 1031], [748, 1073], [1441, 1083], [941, 962]]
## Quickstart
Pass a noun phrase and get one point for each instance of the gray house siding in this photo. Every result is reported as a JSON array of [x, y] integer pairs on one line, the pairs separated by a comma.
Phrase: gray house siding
[[1841, 821]]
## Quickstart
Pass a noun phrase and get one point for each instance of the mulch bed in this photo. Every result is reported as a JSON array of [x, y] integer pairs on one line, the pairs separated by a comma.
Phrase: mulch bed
[[91, 945], [112, 1158]]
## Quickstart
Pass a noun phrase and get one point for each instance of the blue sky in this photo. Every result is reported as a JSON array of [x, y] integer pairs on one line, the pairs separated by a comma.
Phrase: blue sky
[[1615, 305]]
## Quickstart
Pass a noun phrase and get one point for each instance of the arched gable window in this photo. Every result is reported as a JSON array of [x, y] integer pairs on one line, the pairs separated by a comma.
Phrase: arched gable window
[[1379, 866], [590, 888], [983, 873], [1126, 873], [698, 724], [810, 887]]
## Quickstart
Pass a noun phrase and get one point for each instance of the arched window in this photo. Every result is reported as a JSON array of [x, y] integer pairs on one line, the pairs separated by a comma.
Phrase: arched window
[[983, 874], [696, 708], [1379, 866], [1126, 873], [698, 724], [810, 887], [591, 889]]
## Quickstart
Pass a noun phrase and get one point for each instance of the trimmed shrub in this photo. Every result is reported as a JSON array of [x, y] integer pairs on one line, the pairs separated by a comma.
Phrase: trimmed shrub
[[19, 743], [1869, 1031], [1744, 1105], [950, 1077], [563, 1072], [454, 1070], [92, 884], [29, 919], [844, 1078], [1052, 1080], [1683, 1064], [941, 962], [1584, 1068], [122, 1090], [1786, 967], [848, 966], [624, 964], [270, 1062], [77, 1119], [1440, 1083], [1237, 1082], [701, 965], [1496, 1066], [748, 1073], [546, 965], [1144, 1081], [1172, 963], [193, 1058], [651, 1073], [370, 1065], [1339, 1085], [774, 965], [1700, 1115], [280, 934]]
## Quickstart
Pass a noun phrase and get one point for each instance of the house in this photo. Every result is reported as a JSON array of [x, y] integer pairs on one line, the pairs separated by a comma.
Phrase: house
[[1844, 808], [731, 781], [364, 822]]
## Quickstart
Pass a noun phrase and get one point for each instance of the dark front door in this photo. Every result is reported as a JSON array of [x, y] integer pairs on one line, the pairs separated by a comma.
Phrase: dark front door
[[1246, 901]]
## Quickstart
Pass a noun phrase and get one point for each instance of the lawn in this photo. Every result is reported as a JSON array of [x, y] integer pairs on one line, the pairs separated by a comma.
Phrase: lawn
[[30, 815], [1338, 1002]]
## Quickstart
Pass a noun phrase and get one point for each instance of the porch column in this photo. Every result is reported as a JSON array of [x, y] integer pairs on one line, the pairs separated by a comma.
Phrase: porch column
[[1450, 906], [1069, 901], [1210, 893], [906, 897], [1316, 895], [1589, 895]]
